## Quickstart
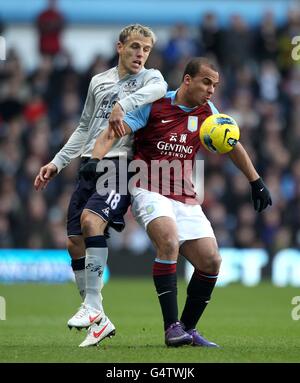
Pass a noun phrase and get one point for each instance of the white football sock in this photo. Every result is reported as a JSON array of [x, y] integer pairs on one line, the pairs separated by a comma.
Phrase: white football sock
[[95, 262], [78, 267], [80, 282]]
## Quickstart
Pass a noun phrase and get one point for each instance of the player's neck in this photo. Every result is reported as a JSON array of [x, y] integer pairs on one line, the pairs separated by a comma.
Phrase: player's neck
[[123, 72], [182, 99]]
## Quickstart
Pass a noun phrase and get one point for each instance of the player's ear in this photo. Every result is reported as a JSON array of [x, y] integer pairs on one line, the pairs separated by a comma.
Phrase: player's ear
[[187, 79], [119, 46]]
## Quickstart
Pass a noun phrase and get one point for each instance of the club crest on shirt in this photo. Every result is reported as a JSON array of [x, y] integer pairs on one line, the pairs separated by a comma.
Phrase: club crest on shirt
[[130, 86], [192, 123]]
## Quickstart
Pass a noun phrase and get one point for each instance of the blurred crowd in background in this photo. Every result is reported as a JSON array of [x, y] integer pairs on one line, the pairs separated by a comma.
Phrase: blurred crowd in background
[[260, 88]]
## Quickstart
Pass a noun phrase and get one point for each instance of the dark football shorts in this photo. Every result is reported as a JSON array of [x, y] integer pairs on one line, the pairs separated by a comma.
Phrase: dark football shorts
[[106, 196]]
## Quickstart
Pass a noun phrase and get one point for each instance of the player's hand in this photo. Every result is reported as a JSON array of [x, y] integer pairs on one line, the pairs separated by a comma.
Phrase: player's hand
[[116, 120], [88, 170], [46, 173], [110, 132], [260, 195]]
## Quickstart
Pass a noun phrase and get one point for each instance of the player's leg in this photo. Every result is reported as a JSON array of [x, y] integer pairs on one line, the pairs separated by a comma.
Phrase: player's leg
[[199, 246], [91, 313], [96, 253], [154, 213], [204, 256], [93, 227], [75, 242], [76, 249], [100, 210], [95, 248], [163, 234]]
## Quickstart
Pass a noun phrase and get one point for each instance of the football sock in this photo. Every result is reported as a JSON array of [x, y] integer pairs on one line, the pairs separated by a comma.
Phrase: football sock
[[199, 291], [95, 262], [78, 266], [165, 280]]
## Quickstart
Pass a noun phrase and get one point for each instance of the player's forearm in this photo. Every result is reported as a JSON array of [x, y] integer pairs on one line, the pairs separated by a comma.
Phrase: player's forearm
[[103, 144], [240, 158], [149, 93]]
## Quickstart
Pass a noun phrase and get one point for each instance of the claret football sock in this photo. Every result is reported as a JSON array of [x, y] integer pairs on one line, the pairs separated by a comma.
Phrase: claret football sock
[[165, 280], [95, 262], [199, 292], [78, 266]]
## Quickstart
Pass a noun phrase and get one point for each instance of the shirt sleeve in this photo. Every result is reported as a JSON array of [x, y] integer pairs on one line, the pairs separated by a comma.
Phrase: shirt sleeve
[[154, 88], [74, 146], [138, 118]]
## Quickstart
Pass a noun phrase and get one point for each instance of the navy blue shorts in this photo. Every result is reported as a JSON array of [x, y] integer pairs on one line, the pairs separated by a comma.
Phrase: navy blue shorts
[[103, 196]]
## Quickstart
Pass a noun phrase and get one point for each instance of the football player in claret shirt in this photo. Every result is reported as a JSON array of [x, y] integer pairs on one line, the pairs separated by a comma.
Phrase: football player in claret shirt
[[165, 130], [111, 94]]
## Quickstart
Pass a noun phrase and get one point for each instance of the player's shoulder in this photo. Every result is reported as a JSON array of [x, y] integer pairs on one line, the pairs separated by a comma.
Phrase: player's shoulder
[[165, 102], [152, 73], [168, 98], [108, 75]]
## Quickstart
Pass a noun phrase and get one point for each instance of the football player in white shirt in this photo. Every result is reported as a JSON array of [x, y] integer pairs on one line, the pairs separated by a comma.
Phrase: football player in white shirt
[[111, 94]]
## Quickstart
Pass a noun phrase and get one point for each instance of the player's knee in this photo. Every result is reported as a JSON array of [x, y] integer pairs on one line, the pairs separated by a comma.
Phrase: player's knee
[[209, 262], [75, 246], [91, 223], [169, 248], [213, 262]]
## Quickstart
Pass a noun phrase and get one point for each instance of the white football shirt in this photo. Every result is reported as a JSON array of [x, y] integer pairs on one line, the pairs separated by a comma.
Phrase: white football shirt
[[105, 89]]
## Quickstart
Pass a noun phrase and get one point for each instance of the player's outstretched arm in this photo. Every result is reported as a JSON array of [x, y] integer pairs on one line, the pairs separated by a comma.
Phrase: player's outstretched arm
[[260, 194], [154, 88], [105, 141], [116, 120], [45, 175], [241, 159], [103, 144]]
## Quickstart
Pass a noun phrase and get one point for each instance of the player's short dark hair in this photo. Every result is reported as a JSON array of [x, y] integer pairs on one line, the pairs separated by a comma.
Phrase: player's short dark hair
[[136, 29], [194, 66]]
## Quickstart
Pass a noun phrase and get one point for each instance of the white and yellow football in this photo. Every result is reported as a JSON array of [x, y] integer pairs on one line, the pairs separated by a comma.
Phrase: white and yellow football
[[219, 133]]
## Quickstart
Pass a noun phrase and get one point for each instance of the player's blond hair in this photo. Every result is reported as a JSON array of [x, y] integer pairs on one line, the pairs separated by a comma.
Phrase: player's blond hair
[[136, 29]]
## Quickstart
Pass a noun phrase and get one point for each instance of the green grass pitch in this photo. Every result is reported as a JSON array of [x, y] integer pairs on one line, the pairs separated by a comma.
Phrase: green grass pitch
[[251, 324]]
